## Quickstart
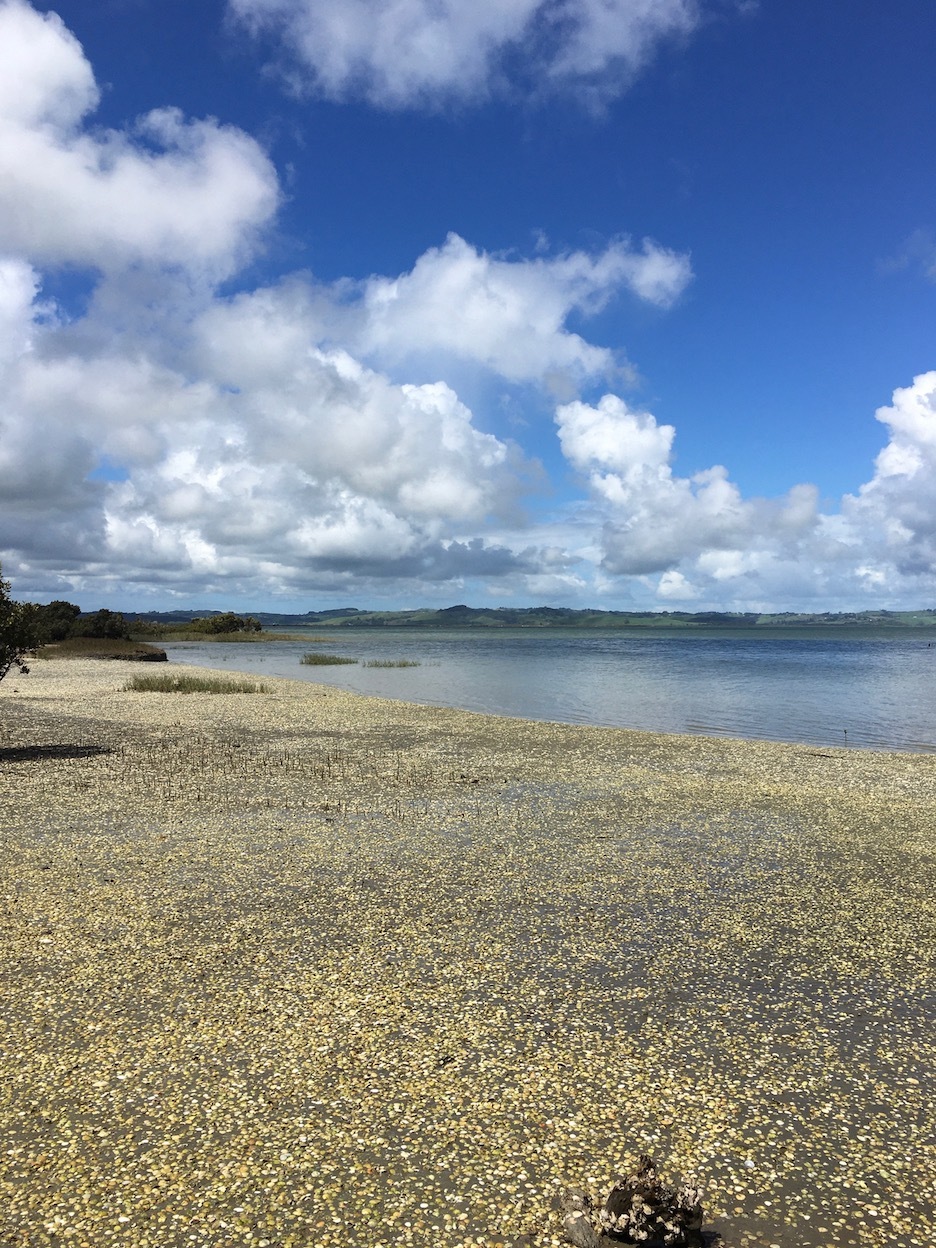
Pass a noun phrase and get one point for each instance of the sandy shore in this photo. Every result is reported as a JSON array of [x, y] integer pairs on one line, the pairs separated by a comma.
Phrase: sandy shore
[[306, 968]]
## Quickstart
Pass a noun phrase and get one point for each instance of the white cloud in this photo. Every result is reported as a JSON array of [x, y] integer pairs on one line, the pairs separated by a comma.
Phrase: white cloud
[[412, 447], [45, 78], [405, 53], [655, 519], [613, 436], [170, 191], [600, 34], [895, 512], [507, 314], [42, 460], [674, 587]]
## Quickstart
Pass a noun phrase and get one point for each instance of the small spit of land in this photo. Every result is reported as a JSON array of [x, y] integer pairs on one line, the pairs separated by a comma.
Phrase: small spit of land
[[304, 968]]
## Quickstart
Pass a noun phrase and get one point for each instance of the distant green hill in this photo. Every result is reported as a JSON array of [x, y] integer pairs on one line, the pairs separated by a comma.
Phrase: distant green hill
[[462, 616]]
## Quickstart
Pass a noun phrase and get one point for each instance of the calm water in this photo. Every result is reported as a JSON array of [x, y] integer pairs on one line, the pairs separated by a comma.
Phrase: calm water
[[857, 690]]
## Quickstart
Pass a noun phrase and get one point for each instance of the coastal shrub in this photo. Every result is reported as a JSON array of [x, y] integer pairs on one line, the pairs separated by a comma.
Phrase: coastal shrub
[[392, 663], [58, 621], [228, 622], [184, 682], [316, 659]]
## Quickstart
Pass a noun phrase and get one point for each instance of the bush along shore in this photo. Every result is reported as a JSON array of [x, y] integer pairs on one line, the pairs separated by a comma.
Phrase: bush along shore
[[312, 968]]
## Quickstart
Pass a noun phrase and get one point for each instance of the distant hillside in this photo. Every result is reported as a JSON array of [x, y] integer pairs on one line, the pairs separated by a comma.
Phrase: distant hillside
[[462, 616]]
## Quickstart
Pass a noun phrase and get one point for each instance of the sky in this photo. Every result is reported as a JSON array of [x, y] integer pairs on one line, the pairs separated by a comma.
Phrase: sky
[[625, 304]]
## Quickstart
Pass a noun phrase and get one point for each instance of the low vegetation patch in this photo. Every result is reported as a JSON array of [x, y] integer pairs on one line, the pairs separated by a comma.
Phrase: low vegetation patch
[[103, 648], [315, 658], [183, 682], [392, 663]]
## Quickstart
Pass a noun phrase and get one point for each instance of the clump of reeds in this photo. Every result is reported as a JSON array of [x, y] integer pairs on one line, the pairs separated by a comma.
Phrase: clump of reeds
[[392, 663], [315, 658], [182, 682]]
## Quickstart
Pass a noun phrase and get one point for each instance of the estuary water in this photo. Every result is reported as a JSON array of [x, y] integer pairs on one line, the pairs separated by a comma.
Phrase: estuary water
[[859, 689]]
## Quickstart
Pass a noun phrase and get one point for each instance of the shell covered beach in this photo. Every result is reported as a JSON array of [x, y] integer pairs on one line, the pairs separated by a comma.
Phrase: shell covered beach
[[301, 967]]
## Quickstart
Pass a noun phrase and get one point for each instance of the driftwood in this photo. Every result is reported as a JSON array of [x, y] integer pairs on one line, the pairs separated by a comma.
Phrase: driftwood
[[640, 1209], [579, 1212]]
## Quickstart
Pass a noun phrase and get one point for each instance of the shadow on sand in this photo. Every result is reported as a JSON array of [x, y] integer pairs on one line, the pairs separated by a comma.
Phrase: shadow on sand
[[35, 753]]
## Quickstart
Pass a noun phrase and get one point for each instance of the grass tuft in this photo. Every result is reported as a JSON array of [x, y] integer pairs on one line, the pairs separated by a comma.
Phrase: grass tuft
[[315, 658], [182, 682], [392, 663]]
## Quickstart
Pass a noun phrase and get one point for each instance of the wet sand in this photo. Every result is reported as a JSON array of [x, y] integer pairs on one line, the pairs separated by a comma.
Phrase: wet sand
[[304, 967]]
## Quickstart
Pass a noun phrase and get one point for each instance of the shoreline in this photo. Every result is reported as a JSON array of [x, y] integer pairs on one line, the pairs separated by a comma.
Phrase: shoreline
[[310, 966]]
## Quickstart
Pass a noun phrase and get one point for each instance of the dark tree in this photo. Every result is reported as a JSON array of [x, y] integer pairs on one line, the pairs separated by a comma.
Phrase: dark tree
[[17, 631], [56, 620], [103, 623]]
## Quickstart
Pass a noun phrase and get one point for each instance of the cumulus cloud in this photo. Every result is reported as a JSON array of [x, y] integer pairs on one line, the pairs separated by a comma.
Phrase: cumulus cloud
[[255, 456], [896, 510], [696, 538], [415, 52], [168, 191], [656, 519], [248, 448], [510, 315]]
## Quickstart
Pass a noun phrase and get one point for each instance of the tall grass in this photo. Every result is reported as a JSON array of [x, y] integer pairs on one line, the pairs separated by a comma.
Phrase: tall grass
[[182, 682], [101, 648], [315, 658], [181, 632]]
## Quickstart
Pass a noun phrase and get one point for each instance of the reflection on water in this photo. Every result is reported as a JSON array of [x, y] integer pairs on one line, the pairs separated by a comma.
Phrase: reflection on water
[[861, 691]]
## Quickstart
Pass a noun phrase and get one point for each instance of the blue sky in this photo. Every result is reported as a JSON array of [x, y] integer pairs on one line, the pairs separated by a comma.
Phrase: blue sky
[[623, 303]]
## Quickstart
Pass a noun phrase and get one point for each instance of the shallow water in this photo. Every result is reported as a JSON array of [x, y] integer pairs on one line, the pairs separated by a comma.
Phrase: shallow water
[[856, 690]]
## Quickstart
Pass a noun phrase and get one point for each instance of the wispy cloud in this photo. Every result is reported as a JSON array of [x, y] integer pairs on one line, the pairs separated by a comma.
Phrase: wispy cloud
[[414, 53], [917, 253]]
